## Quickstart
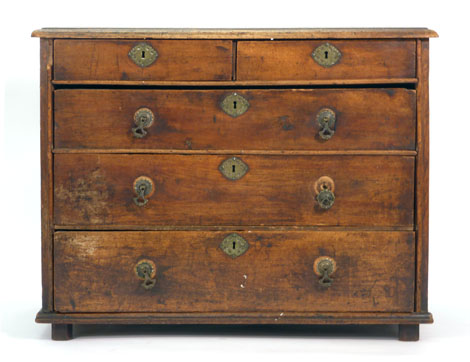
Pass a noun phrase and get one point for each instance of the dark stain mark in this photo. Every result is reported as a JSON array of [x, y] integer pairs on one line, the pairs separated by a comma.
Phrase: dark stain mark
[[285, 124], [72, 303], [221, 48], [124, 76], [188, 143], [390, 92], [214, 119], [221, 77], [162, 126]]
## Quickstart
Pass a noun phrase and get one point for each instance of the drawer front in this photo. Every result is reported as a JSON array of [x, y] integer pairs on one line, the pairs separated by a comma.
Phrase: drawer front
[[189, 272], [290, 119], [100, 189], [179, 60], [293, 60]]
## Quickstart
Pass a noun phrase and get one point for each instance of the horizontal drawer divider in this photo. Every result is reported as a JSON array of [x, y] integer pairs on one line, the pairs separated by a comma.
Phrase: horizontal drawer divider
[[238, 83], [227, 228], [240, 152]]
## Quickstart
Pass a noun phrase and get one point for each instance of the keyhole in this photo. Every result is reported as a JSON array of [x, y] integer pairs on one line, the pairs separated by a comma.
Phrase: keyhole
[[326, 55], [234, 104], [233, 168], [234, 245], [143, 54]]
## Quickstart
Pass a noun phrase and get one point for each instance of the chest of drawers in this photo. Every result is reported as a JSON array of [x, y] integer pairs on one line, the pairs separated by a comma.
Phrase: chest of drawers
[[234, 177]]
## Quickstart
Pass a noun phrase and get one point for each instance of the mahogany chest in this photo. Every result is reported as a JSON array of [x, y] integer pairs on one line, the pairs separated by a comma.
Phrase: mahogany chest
[[196, 176]]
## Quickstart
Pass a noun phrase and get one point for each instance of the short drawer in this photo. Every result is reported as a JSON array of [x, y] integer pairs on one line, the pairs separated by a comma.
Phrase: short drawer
[[105, 189], [283, 119], [350, 59], [189, 271], [107, 60]]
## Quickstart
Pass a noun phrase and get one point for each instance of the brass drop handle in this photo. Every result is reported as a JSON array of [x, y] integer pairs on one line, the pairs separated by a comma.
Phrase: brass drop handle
[[143, 119], [146, 271], [144, 188], [324, 267], [326, 118], [326, 199], [324, 188]]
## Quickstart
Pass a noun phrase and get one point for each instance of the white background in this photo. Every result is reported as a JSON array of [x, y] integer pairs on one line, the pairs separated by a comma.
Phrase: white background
[[20, 282]]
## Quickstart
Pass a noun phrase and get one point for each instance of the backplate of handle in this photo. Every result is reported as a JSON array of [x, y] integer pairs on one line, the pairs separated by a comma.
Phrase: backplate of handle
[[146, 271], [326, 119], [324, 188], [144, 188], [143, 119], [324, 267]]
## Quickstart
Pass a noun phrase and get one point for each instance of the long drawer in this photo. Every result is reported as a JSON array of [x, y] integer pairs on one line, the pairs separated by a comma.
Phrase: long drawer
[[326, 59], [283, 119], [148, 190], [190, 272]]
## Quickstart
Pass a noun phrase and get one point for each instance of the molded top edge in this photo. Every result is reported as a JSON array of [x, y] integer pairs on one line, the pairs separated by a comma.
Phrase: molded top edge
[[265, 34]]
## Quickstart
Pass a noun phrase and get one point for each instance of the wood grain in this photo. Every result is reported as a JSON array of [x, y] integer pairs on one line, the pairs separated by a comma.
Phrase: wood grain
[[422, 179], [46, 122], [190, 190], [259, 33], [366, 119], [94, 272], [183, 60], [288, 60]]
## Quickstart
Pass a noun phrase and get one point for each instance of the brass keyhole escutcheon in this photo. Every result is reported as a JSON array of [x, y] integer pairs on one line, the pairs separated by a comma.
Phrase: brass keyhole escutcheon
[[146, 271], [324, 267], [143, 54], [144, 188], [143, 119], [324, 189], [234, 105], [326, 118], [233, 168], [326, 55], [234, 245]]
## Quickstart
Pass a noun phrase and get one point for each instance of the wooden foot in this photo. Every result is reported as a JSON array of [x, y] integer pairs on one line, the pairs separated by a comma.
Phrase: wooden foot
[[408, 332], [62, 332]]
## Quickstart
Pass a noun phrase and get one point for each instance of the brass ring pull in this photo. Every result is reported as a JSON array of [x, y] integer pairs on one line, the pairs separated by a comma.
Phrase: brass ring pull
[[143, 119], [146, 271], [326, 118], [144, 188], [324, 267], [324, 188]]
